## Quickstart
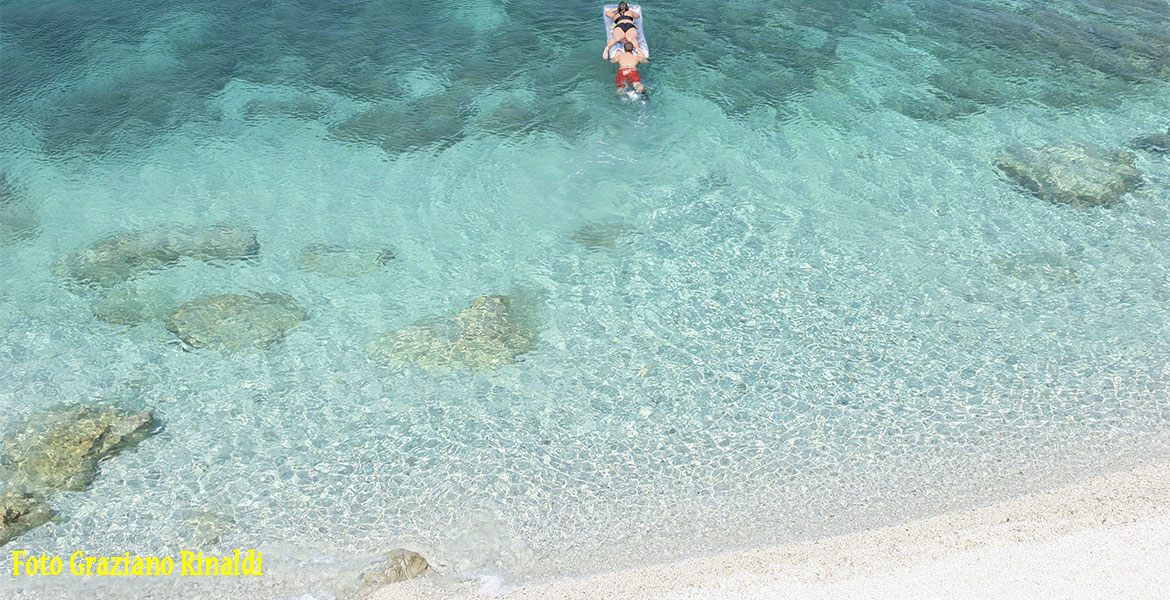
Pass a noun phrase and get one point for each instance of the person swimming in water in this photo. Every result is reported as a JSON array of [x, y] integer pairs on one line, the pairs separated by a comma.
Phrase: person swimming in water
[[628, 61], [623, 27]]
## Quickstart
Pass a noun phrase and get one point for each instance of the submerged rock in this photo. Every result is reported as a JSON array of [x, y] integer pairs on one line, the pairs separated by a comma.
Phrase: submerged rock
[[18, 220], [604, 236], [1037, 266], [399, 565], [204, 529], [1076, 174], [302, 108], [132, 303], [489, 334], [433, 122], [1155, 142], [20, 512], [232, 322], [116, 259], [59, 449], [343, 261]]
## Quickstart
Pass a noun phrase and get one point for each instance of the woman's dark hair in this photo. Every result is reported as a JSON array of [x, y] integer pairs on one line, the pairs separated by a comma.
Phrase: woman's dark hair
[[623, 7]]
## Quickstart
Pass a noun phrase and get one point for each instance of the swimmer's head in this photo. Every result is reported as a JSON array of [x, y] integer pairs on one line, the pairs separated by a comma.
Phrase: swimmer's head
[[623, 6], [628, 46]]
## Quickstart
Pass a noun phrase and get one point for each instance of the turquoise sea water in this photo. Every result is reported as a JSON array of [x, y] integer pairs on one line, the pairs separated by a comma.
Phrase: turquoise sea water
[[824, 308]]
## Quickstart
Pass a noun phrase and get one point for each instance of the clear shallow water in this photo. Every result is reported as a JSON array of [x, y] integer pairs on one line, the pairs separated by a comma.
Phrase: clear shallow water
[[830, 310]]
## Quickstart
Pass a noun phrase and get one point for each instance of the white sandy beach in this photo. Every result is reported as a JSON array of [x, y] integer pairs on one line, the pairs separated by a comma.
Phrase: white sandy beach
[[1106, 537]]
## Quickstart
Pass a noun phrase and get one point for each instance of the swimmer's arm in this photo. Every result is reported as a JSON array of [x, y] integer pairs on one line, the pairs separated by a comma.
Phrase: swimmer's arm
[[636, 15]]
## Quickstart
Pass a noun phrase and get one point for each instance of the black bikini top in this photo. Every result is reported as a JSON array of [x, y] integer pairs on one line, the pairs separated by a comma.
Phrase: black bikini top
[[620, 17]]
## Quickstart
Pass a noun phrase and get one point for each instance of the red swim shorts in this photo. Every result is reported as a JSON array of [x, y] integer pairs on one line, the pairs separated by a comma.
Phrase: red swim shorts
[[625, 76]]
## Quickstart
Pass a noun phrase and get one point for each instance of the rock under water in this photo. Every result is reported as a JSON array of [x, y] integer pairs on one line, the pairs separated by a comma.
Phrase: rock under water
[[604, 236], [59, 449], [1154, 142], [1074, 173], [18, 220], [489, 334], [132, 303], [119, 258], [234, 322], [20, 512], [344, 261]]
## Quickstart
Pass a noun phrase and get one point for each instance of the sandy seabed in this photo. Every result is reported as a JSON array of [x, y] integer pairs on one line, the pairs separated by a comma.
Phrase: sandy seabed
[[1104, 537]]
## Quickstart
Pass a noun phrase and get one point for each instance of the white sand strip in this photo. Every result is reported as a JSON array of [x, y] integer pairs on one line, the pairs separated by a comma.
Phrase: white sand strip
[[1106, 537]]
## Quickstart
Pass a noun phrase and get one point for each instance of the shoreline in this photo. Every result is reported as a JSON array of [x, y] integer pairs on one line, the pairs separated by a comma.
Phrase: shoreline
[[1107, 535]]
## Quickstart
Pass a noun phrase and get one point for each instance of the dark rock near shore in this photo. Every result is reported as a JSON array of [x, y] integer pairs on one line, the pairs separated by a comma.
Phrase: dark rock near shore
[[399, 565], [20, 512], [59, 449], [116, 259], [1073, 173], [489, 334], [234, 322]]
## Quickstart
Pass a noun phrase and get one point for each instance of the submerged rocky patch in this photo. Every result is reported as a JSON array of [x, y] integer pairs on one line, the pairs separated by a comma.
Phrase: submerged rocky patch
[[605, 236], [59, 449], [132, 303], [56, 450], [18, 220], [19, 512], [1073, 173], [119, 258], [1154, 142], [489, 334], [235, 322], [344, 261]]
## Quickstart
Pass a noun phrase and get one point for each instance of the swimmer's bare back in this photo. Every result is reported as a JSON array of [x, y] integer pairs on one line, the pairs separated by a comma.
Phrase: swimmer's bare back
[[629, 61]]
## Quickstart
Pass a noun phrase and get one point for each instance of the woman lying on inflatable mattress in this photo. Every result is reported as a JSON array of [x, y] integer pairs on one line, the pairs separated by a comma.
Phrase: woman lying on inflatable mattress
[[623, 27]]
